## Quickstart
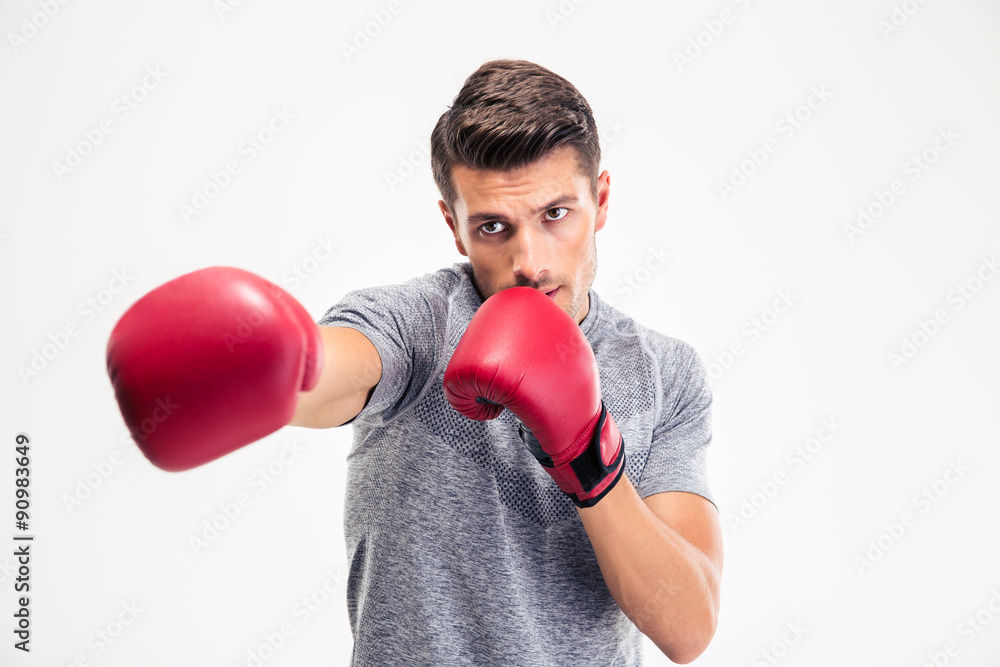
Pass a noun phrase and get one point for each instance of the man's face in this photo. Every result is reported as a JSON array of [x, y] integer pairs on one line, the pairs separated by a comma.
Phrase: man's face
[[532, 227]]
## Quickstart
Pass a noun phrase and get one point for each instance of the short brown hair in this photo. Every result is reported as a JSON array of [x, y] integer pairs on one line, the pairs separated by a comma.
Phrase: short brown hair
[[508, 114]]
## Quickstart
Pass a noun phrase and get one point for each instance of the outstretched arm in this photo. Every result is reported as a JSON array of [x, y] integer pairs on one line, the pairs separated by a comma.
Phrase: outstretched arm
[[351, 369]]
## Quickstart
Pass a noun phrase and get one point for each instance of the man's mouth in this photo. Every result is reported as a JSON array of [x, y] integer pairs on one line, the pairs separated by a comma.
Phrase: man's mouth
[[552, 294]]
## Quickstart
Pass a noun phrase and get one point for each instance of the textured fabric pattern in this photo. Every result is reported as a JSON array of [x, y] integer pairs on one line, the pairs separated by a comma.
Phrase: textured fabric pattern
[[462, 549]]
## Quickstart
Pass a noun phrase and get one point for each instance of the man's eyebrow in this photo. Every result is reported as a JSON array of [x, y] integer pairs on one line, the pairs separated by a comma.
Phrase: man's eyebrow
[[479, 218]]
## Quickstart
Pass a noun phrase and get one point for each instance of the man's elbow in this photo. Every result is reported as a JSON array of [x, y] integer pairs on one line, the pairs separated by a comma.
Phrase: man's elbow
[[684, 646]]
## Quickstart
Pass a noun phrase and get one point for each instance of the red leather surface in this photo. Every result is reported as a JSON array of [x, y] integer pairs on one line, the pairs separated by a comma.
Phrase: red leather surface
[[209, 362]]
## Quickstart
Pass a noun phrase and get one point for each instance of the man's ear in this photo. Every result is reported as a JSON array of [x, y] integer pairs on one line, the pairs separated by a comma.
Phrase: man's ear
[[603, 196], [452, 226]]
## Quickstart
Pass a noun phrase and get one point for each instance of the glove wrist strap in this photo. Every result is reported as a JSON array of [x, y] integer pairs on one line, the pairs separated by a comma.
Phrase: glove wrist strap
[[586, 478]]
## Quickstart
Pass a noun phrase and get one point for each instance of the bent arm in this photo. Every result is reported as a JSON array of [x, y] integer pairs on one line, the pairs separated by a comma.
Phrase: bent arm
[[351, 369], [661, 558]]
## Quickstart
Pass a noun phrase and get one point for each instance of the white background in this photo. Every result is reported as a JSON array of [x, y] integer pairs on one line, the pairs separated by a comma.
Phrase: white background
[[893, 76]]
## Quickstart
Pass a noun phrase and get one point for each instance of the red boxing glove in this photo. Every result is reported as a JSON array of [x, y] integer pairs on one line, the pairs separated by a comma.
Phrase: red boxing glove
[[209, 362], [523, 352]]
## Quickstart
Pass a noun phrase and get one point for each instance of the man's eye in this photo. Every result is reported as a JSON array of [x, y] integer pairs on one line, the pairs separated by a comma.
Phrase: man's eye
[[565, 212], [493, 227]]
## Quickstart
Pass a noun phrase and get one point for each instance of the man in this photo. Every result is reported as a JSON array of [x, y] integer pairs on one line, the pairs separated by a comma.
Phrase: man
[[462, 548]]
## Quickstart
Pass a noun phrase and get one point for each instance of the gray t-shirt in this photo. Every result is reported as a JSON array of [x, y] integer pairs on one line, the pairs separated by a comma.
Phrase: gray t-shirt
[[462, 550]]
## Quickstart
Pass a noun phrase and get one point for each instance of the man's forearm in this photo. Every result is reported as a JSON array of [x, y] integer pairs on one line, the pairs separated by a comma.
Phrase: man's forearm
[[663, 583], [351, 369]]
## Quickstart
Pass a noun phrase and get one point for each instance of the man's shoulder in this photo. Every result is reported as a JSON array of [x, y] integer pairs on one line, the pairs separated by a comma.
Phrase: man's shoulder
[[624, 328]]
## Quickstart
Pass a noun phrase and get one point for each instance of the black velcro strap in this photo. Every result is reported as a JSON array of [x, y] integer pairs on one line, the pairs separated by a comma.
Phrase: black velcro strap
[[589, 467], [590, 502]]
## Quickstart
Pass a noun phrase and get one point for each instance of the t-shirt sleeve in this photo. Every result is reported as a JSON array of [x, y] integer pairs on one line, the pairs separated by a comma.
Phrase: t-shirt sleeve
[[677, 454], [402, 322]]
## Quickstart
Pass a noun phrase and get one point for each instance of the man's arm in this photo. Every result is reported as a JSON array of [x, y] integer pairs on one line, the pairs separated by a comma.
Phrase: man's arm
[[351, 369], [661, 558]]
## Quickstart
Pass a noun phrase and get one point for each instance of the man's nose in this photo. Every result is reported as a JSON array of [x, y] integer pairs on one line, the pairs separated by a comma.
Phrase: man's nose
[[531, 255]]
